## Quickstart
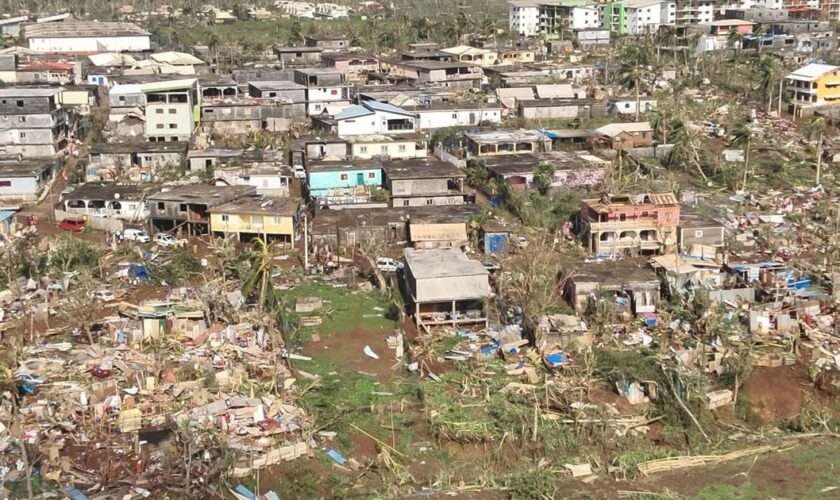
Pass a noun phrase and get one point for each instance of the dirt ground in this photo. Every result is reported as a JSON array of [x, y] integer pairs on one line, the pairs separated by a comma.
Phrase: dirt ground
[[346, 350], [778, 394]]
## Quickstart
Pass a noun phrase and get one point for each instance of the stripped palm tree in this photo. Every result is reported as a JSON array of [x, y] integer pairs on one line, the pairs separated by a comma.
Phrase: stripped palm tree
[[741, 138], [815, 130], [258, 277]]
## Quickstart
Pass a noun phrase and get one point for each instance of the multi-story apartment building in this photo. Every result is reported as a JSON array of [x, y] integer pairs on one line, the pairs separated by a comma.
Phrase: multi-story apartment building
[[633, 17], [695, 12], [32, 122], [172, 110], [552, 17], [813, 85], [524, 17], [639, 223]]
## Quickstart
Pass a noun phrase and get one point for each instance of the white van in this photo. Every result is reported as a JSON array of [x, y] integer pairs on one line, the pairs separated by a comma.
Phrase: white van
[[136, 235]]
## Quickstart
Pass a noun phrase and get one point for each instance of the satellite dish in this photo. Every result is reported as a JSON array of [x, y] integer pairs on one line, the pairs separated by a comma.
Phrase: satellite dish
[[116, 196]]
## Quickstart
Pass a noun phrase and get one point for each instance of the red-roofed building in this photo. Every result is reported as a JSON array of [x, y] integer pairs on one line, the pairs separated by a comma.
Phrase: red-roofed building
[[46, 72]]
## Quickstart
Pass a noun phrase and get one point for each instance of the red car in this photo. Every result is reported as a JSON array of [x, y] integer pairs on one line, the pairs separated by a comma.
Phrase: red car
[[74, 225]]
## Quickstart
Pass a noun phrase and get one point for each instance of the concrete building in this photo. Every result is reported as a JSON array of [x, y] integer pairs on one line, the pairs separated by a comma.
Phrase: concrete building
[[562, 109], [639, 223], [578, 170], [455, 75], [112, 201], [32, 122], [813, 85], [327, 42], [172, 110], [634, 17], [10, 26], [86, 37], [341, 183], [324, 86], [298, 56], [417, 183], [445, 288], [446, 115], [506, 142], [23, 180], [523, 17], [270, 219], [139, 161], [465, 53], [374, 117], [270, 179], [186, 209], [396, 147], [626, 135], [627, 289]]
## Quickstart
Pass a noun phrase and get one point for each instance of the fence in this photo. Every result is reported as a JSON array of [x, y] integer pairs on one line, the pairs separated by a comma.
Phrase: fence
[[100, 223]]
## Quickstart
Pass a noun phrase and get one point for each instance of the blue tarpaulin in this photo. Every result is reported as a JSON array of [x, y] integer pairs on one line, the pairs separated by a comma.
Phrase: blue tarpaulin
[[337, 457], [245, 492], [558, 358]]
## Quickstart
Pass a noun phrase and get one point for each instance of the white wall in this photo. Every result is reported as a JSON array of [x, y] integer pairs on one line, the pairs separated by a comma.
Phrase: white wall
[[25, 188], [585, 17], [433, 119], [524, 20], [161, 116], [372, 124], [134, 43]]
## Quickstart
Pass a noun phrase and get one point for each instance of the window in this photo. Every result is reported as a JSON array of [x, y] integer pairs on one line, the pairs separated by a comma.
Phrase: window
[[344, 177], [698, 233], [430, 201], [334, 92], [159, 111], [383, 149], [20, 104], [182, 207], [122, 98], [23, 135], [405, 203], [622, 217], [22, 119], [454, 116], [173, 125], [371, 175], [147, 158], [363, 149], [172, 111], [401, 148], [159, 125], [5, 183], [161, 206], [225, 218]]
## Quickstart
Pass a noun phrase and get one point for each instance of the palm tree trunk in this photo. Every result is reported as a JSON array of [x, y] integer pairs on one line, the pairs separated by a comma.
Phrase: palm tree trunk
[[746, 164], [770, 97], [637, 98], [819, 158]]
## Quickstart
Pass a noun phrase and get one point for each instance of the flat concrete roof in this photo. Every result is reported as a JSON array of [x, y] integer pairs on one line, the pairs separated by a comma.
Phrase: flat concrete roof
[[76, 29], [421, 169], [442, 263], [260, 205]]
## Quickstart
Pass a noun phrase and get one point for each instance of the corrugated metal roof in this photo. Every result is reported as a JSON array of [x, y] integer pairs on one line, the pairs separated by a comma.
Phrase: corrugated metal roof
[[169, 85], [353, 112], [438, 232]]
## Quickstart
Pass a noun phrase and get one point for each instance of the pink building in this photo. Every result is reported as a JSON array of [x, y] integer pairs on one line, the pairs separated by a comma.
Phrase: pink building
[[638, 223]]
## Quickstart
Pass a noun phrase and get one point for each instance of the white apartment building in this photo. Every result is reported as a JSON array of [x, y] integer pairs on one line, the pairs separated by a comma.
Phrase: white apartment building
[[524, 17], [646, 16], [170, 110]]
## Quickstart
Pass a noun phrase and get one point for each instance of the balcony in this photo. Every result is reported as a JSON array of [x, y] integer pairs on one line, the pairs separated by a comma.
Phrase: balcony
[[624, 225]]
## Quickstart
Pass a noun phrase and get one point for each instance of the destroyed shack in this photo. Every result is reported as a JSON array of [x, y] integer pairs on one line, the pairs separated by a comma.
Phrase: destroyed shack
[[624, 289]]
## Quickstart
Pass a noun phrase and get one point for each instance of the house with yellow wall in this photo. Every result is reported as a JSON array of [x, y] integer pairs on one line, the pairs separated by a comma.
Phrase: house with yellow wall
[[465, 53], [813, 85], [516, 56], [268, 218], [367, 147]]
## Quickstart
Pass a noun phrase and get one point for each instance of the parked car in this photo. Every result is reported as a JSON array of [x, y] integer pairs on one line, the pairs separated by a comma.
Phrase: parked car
[[521, 241], [387, 264], [72, 224], [136, 235], [105, 295], [491, 266], [299, 171], [167, 240]]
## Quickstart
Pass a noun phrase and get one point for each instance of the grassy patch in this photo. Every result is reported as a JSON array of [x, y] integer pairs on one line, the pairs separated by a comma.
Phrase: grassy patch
[[342, 310]]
